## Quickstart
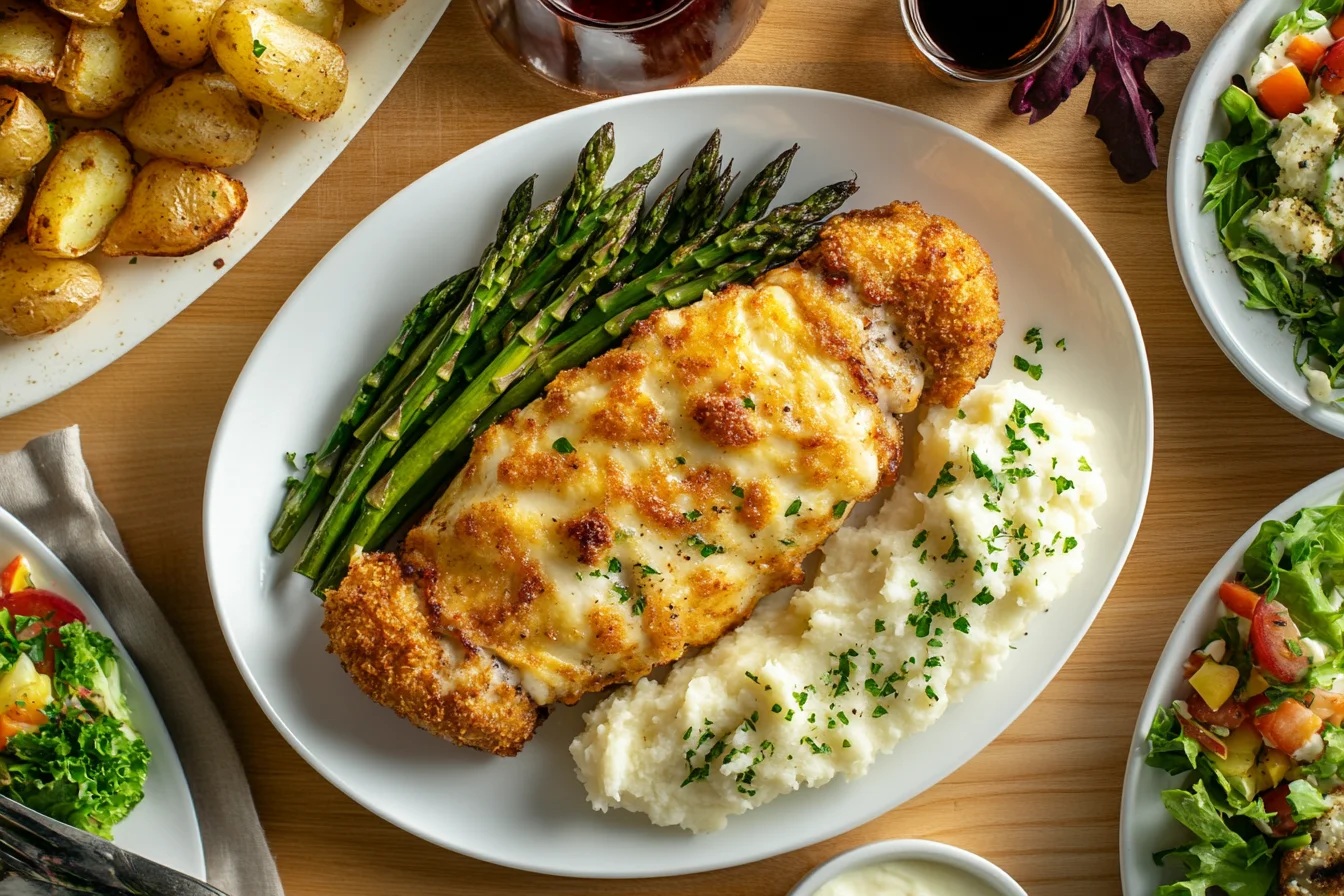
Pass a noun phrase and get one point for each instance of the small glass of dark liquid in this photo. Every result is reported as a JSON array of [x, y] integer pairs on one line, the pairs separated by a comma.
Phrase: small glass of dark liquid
[[986, 41], [612, 47]]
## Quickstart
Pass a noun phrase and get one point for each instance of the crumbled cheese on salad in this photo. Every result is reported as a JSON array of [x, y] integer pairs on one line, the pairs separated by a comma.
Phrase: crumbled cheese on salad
[[1304, 146], [1318, 385], [1293, 227]]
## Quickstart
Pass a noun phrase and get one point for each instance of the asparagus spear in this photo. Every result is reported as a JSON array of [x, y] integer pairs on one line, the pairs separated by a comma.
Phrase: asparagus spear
[[303, 496], [457, 420], [586, 185], [703, 172], [421, 392], [646, 235]]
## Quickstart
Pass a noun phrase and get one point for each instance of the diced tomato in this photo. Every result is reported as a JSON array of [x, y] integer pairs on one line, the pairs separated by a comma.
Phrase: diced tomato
[[1289, 727], [1286, 91], [1230, 715], [1205, 737], [1337, 27], [54, 611], [1238, 598], [1276, 802], [1332, 69], [1197, 659], [15, 576], [1305, 53], [1277, 643]]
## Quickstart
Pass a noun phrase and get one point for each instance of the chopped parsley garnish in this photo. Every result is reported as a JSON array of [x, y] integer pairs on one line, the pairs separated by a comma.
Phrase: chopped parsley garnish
[[692, 515], [748, 403], [258, 48], [681, 460], [945, 479], [738, 492], [1061, 346], [839, 509], [954, 553], [1031, 370], [1070, 543], [637, 608], [787, 542], [962, 625], [563, 445], [648, 570], [796, 506], [1020, 414], [1033, 337], [929, 692], [920, 538], [752, 677], [622, 591], [1015, 444], [1062, 484], [687, 735], [879, 712], [1084, 465], [776, 708], [1038, 429], [983, 598], [613, 565], [982, 471], [879, 625]]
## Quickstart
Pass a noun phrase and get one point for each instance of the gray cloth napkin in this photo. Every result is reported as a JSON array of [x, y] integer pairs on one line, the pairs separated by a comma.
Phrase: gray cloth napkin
[[48, 488]]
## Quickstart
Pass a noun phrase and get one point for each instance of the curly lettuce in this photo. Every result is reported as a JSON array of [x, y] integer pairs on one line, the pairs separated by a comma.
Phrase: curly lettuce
[[1298, 562], [87, 770], [87, 667]]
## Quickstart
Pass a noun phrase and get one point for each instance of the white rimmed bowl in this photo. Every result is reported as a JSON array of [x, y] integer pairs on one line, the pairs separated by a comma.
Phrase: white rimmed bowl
[[1251, 339], [992, 875]]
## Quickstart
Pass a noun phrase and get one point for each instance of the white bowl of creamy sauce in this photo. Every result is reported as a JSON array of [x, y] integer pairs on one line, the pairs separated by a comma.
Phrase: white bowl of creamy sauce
[[908, 868]]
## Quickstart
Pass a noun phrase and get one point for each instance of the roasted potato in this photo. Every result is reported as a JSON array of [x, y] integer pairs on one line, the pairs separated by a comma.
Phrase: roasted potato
[[42, 295], [278, 63], [195, 116], [178, 29], [84, 189], [322, 17], [105, 66], [13, 190], [381, 7], [175, 209], [32, 39], [25, 138], [90, 12]]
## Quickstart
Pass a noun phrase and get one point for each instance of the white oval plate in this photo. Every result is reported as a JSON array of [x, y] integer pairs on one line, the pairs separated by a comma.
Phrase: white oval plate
[[530, 812], [1145, 826], [1251, 339], [163, 827], [140, 297]]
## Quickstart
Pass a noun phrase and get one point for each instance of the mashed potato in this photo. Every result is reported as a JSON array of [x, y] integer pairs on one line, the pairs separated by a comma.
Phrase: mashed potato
[[907, 612]]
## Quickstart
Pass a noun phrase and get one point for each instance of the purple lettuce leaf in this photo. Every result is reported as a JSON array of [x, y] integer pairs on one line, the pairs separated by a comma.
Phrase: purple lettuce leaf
[[1103, 38]]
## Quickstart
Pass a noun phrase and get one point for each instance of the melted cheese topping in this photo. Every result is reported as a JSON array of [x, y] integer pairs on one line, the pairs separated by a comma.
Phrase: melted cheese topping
[[654, 496]]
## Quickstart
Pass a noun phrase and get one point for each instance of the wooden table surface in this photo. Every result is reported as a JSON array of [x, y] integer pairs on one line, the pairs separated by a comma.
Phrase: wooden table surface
[[1043, 800]]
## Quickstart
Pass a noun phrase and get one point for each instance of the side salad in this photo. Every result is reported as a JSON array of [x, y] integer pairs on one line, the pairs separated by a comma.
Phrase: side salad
[[1276, 187], [1258, 740], [67, 747]]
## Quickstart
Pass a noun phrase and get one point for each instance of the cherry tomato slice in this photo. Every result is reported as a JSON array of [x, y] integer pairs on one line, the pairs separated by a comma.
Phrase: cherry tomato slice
[[1289, 727], [1204, 737], [54, 611], [1230, 715], [1238, 598], [1277, 643], [1332, 69], [1276, 803]]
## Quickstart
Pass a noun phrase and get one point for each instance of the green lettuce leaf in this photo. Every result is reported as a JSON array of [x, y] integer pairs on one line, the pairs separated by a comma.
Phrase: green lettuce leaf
[[1331, 760], [87, 771], [1294, 562], [88, 662], [1312, 14], [1306, 801], [1194, 809], [1169, 747]]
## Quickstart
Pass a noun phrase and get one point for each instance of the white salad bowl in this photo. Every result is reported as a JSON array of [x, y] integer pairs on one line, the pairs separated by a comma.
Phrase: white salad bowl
[[1251, 339], [913, 850], [163, 827], [1145, 826]]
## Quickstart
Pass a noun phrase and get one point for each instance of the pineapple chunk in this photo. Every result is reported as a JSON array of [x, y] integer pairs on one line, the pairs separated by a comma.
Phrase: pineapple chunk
[[1243, 746], [1215, 683], [24, 684], [1255, 685], [1276, 765]]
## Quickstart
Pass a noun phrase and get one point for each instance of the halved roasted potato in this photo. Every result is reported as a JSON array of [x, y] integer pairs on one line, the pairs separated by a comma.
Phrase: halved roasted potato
[[175, 209], [381, 7], [25, 138], [178, 29], [322, 17], [195, 116], [32, 39], [90, 12], [278, 63], [104, 67], [42, 295], [13, 190], [83, 191]]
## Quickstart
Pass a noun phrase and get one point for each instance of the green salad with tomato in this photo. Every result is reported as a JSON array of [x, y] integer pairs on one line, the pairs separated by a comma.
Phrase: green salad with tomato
[[1258, 741], [67, 746]]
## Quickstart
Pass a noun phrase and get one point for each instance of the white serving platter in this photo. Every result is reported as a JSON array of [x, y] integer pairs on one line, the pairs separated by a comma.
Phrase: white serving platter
[[140, 297], [530, 812], [163, 827]]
